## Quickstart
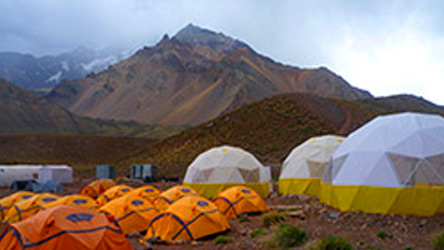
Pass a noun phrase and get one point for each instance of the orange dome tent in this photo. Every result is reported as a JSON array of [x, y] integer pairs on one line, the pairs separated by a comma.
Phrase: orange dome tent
[[8, 201], [146, 192], [239, 200], [27, 208], [64, 227], [97, 187], [132, 213], [165, 199], [187, 219], [112, 193], [73, 200]]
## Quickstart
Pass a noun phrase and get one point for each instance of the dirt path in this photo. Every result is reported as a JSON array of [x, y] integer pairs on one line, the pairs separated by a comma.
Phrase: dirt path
[[347, 122]]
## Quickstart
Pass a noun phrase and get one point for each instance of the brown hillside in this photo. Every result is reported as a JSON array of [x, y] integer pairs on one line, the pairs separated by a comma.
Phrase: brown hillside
[[272, 127], [191, 78], [75, 150], [24, 112]]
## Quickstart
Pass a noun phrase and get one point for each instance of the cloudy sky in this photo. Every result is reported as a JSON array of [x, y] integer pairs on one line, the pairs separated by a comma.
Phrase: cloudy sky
[[387, 47]]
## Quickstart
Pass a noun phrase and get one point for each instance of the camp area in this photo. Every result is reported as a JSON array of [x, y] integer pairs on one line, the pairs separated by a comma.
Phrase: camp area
[[380, 187]]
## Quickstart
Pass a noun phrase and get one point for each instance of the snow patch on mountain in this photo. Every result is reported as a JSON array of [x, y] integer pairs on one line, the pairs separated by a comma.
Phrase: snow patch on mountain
[[65, 65], [99, 63], [55, 77]]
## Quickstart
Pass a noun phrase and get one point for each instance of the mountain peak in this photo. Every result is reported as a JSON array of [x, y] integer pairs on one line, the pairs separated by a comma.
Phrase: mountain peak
[[196, 35]]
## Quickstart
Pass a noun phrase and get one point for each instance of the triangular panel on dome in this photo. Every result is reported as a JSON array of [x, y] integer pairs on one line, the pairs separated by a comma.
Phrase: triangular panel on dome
[[404, 166], [334, 168], [425, 175], [316, 169], [437, 161], [250, 175]]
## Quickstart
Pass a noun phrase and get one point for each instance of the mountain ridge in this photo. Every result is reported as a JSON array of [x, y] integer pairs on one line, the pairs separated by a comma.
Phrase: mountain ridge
[[190, 78], [42, 72]]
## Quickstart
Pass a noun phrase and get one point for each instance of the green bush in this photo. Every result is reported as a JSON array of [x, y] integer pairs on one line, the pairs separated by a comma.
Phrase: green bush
[[383, 235], [287, 236], [257, 232], [408, 248], [272, 218], [221, 239], [244, 219], [438, 242], [332, 243]]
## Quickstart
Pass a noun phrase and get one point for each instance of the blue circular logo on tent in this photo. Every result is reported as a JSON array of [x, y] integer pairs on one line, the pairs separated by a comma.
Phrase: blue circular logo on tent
[[79, 201], [137, 202], [26, 197], [185, 190], [77, 217], [245, 191], [149, 190], [48, 199], [125, 190], [202, 203]]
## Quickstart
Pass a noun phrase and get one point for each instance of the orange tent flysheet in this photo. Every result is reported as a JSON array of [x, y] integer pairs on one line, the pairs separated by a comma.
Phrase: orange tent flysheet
[[239, 200], [64, 227]]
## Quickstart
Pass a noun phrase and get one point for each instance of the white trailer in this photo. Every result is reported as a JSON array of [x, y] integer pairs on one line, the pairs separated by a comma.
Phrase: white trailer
[[40, 173]]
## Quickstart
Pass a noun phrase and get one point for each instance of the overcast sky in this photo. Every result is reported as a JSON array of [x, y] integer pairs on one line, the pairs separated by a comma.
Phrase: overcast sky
[[387, 47]]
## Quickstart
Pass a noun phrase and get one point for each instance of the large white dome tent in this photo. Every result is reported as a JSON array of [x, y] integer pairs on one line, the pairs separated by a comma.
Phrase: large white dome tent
[[221, 167], [392, 165], [304, 167]]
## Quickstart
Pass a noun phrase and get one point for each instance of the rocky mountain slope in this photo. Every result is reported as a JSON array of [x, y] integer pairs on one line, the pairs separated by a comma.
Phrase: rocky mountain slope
[[272, 127], [24, 112], [39, 73], [191, 78]]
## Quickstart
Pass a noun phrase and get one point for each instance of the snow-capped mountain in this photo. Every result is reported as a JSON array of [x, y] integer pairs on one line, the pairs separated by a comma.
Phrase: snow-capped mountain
[[32, 72]]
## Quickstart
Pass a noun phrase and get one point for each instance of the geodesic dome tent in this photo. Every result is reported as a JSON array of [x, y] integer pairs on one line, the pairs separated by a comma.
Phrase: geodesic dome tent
[[171, 195], [392, 165], [132, 213], [304, 167], [222, 167], [97, 187], [239, 200], [28, 207], [64, 227], [7, 202], [73, 200], [188, 219], [146, 192], [113, 193]]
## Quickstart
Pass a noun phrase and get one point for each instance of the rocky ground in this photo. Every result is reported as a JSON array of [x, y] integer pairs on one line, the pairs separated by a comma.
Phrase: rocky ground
[[319, 220], [364, 231]]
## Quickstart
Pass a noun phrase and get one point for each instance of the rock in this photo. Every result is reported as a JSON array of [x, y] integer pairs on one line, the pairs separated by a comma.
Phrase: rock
[[323, 211], [364, 226], [286, 207], [303, 197], [334, 216], [244, 231], [423, 222], [298, 214], [274, 195]]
